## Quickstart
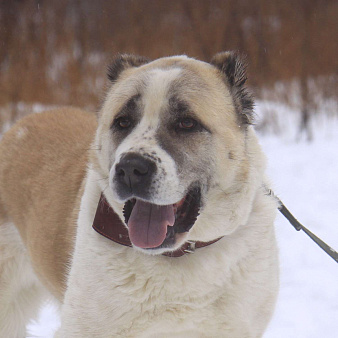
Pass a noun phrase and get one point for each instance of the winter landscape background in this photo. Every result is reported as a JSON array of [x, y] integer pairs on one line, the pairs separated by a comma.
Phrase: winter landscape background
[[55, 53]]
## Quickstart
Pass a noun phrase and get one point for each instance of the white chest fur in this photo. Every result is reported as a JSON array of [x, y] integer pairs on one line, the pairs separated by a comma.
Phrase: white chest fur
[[217, 291]]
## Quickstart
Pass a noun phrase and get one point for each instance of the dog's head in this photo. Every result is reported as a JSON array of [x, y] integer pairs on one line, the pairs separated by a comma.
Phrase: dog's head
[[172, 137]]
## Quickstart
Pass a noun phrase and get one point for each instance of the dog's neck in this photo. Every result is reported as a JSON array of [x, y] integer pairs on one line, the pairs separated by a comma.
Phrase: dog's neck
[[108, 224]]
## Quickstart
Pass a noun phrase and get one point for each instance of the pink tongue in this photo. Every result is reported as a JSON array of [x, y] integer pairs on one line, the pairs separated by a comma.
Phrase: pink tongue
[[148, 224]]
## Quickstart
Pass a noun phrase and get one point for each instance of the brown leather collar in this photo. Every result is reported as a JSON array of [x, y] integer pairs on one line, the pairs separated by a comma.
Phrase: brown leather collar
[[108, 224]]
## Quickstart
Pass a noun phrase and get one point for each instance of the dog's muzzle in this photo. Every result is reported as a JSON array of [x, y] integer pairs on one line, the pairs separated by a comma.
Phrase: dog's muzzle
[[152, 226], [133, 176]]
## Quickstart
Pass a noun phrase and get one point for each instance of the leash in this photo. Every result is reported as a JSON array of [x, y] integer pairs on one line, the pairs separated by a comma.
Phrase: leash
[[298, 226]]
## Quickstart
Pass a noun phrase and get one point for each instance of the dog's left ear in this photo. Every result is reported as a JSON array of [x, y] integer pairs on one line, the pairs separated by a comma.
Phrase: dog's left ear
[[122, 62], [233, 66]]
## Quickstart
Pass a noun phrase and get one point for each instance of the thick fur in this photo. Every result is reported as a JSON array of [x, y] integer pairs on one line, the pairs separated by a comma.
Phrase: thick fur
[[55, 165]]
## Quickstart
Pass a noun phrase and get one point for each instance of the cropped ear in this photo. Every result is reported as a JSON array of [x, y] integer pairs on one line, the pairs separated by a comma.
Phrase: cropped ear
[[233, 66], [123, 61]]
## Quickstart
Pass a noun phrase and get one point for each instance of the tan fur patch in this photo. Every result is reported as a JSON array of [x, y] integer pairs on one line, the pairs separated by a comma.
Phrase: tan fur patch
[[41, 175]]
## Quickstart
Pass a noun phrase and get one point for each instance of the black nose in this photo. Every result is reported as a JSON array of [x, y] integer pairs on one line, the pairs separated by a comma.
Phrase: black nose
[[133, 175]]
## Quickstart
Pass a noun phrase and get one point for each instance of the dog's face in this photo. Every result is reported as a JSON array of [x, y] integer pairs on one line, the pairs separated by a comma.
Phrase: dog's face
[[172, 143]]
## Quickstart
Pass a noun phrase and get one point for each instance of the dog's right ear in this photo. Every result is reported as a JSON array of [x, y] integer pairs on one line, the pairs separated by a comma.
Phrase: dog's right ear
[[123, 61]]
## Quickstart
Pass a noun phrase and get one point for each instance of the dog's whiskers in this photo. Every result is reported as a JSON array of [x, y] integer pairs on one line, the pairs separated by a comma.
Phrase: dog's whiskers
[[102, 179], [105, 188], [97, 148]]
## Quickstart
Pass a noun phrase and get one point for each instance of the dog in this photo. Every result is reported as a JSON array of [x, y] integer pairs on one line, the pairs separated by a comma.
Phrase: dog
[[148, 220]]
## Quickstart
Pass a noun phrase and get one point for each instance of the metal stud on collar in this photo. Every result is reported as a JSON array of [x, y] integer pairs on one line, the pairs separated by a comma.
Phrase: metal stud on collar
[[191, 247]]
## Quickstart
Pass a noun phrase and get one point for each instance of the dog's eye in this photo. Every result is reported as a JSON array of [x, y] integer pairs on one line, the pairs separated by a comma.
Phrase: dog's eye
[[122, 123], [187, 124]]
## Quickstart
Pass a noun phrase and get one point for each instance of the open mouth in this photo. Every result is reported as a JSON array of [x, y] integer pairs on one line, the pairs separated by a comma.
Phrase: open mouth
[[153, 226]]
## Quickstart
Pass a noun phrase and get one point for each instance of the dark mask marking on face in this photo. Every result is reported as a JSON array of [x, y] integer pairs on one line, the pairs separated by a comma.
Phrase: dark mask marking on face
[[186, 140], [126, 119]]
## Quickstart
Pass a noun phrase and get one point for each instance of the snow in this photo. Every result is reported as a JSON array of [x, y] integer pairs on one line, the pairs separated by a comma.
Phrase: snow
[[305, 177]]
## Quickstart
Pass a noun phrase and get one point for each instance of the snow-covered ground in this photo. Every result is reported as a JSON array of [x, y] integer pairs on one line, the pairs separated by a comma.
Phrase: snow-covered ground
[[305, 177]]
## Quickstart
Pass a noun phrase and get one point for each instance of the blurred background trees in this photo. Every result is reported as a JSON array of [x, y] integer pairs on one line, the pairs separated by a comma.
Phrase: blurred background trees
[[56, 52]]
